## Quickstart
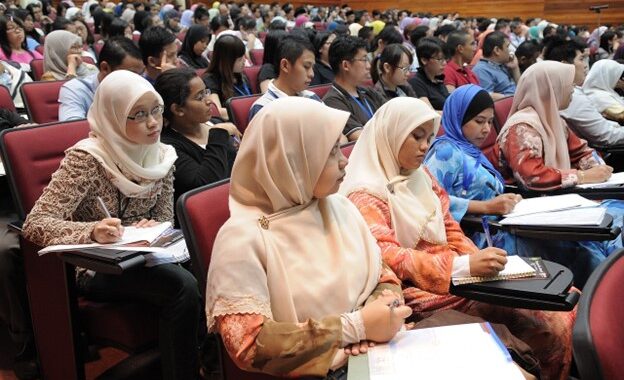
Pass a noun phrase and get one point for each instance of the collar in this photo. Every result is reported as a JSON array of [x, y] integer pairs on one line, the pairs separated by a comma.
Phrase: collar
[[436, 81], [281, 94], [492, 62], [361, 92]]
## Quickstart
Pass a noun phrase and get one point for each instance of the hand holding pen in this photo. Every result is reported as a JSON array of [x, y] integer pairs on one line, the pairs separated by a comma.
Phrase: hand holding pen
[[489, 261], [107, 230], [503, 203]]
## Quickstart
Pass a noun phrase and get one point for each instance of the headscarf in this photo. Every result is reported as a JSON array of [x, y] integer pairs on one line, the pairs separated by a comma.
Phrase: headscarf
[[600, 83], [415, 209], [301, 21], [377, 26], [541, 89], [187, 18], [282, 252], [70, 13], [456, 109], [193, 35], [164, 9], [405, 22], [594, 37], [133, 168], [534, 33], [57, 45], [128, 15]]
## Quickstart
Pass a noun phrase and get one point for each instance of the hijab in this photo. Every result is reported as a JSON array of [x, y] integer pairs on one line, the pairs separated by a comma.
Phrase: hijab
[[600, 83], [541, 89], [465, 103], [282, 252], [57, 45], [195, 34], [187, 18], [128, 15], [132, 168], [415, 209]]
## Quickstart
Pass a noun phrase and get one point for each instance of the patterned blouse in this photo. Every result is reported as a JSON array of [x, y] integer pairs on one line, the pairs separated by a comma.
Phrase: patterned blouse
[[427, 266], [526, 166]]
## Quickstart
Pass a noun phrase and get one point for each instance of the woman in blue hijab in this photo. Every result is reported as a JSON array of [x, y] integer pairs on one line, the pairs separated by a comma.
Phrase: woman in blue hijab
[[476, 187]]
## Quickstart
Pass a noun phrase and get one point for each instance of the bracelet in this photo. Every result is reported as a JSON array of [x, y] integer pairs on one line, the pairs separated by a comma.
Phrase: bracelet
[[581, 175]]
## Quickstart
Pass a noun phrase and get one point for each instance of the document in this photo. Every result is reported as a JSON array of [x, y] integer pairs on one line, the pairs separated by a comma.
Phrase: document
[[467, 352], [580, 216], [550, 203], [616, 180]]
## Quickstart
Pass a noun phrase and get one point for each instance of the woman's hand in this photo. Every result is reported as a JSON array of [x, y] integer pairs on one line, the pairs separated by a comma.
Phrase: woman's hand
[[107, 230], [503, 204], [488, 262], [596, 174], [145, 223], [73, 61], [358, 348], [230, 128], [382, 322]]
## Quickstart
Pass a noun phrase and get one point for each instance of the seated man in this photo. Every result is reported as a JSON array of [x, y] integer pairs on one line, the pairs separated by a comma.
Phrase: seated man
[[349, 61], [498, 71], [581, 115], [527, 54], [76, 96], [159, 51], [461, 47], [296, 62]]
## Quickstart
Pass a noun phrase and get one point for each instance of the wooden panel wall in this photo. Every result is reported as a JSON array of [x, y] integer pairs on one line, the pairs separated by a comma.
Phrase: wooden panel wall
[[560, 11]]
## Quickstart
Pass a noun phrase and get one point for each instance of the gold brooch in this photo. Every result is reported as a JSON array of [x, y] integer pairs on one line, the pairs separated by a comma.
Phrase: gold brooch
[[264, 222]]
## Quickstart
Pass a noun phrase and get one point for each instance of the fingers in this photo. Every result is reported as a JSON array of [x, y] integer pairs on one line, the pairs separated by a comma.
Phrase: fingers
[[113, 226], [402, 312], [145, 223]]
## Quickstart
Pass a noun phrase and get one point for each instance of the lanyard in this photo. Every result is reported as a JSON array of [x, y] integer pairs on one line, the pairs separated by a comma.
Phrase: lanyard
[[367, 110], [244, 91]]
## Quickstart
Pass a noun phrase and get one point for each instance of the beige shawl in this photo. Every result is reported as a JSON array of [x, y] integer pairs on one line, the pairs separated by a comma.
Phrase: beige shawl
[[415, 209], [600, 83], [56, 48], [133, 168], [283, 254], [541, 91]]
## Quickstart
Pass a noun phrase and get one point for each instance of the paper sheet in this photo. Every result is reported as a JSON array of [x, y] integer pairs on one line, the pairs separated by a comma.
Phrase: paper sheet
[[583, 216], [550, 203], [616, 179], [452, 352]]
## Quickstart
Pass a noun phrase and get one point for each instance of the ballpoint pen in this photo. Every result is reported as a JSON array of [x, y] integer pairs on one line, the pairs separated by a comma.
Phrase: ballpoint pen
[[103, 207], [486, 230]]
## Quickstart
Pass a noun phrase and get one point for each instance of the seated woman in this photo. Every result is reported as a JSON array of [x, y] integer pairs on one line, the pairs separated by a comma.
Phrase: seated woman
[[63, 57], [603, 79], [408, 213], [323, 73], [195, 42], [428, 83], [225, 78], [476, 187], [203, 149], [268, 70], [124, 164], [295, 260], [13, 43], [390, 72]]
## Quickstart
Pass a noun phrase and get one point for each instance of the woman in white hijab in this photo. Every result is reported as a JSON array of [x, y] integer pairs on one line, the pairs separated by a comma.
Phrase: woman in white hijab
[[407, 210], [604, 77], [123, 163], [62, 58], [293, 267]]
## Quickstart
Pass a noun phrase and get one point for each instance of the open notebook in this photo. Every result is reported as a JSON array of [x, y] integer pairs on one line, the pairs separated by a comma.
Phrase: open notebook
[[516, 267], [550, 203], [580, 216]]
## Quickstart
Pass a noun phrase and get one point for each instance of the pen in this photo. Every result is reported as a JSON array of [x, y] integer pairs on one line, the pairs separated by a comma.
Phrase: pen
[[486, 230], [492, 188], [103, 207]]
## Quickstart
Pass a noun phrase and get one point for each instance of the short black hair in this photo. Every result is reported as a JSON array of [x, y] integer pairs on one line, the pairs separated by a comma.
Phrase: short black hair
[[561, 50], [344, 48], [117, 28], [492, 40], [419, 32], [174, 88], [291, 48], [358, 16], [444, 30], [365, 32], [428, 47], [153, 41], [453, 40], [199, 13], [300, 11], [116, 49], [246, 23], [528, 49], [60, 23], [390, 35], [501, 24], [219, 21]]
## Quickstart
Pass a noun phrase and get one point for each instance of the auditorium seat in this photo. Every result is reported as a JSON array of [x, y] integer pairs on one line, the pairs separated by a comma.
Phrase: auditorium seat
[[257, 56], [36, 68], [252, 74], [238, 110], [501, 112], [41, 100], [320, 89], [6, 101]]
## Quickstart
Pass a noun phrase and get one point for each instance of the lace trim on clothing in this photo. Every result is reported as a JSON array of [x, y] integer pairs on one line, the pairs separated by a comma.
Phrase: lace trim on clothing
[[240, 305]]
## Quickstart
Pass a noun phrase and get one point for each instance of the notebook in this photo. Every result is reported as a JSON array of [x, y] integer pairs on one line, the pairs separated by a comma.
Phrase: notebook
[[516, 267], [551, 203], [580, 216]]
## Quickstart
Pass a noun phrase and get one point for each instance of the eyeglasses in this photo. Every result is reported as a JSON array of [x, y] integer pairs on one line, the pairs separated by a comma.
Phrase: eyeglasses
[[363, 59], [200, 97], [439, 59], [142, 116], [404, 69], [14, 29]]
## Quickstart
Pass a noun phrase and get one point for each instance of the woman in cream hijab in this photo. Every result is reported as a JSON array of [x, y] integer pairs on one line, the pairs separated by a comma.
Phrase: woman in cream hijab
[[294, 265], [408, 213], [123, 163], [603, 78], [62, 57]]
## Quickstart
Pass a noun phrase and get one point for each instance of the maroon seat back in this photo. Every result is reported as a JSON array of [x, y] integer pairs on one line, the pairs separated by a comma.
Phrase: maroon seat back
[[252, 74], [320, 90], [598, 332], [41, 100], [257, 56], [488, 146], [6, 100], [36, 66], [347, 148], [501, 111], [88, 60], [202, 212], [238, 110]]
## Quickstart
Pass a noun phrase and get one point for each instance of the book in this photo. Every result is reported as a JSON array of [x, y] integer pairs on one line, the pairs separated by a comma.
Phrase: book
[[541, 272], [580, 216], [476, 350], [548, 204], [516, 267]]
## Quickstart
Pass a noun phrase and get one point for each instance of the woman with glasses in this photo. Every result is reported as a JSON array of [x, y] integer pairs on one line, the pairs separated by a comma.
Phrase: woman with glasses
[[390, 72], [204, 149], [13, 43], [123, 164], [428, 83], [323, 72]]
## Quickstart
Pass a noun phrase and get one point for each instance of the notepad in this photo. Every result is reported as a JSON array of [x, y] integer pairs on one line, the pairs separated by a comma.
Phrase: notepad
[[551, 203], [516, 267], [476, 352], [616, 180], [580, 216]]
